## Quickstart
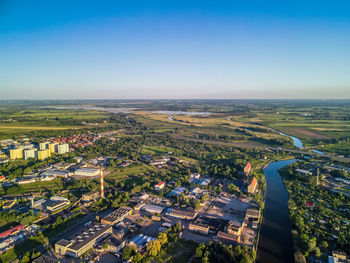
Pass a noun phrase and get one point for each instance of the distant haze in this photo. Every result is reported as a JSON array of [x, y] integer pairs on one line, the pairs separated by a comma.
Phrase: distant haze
[[174, 49]]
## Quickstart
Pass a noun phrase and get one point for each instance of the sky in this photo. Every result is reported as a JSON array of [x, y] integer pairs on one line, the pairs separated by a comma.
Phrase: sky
[[166, 49]]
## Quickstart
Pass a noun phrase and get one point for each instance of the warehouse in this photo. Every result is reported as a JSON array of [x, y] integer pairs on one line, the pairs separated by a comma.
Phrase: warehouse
[[116, 216], [154, 209], [89, 172], [183, 214], [83, 240]]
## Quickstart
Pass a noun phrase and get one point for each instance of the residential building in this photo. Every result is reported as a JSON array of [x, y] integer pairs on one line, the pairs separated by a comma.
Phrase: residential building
[[80, 243], [43, 145], [12, 231], [116, 216], [16, 153], [159, 186], [62, 148], [247, 168], [252, 186], [29, 153], [43, 154], [52, 147], [195, 175]]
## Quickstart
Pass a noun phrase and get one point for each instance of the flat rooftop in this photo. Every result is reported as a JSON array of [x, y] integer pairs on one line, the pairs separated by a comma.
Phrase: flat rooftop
[[85, 236], [115, 215]]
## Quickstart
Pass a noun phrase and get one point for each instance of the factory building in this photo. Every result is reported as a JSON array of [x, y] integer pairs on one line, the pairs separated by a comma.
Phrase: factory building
[[84, 240], [88, 172], [90, 196], [153, 209], [183, 214], [116, 216]]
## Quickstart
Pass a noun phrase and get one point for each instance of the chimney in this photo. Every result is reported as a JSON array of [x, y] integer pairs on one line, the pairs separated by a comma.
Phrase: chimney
[[102, 187]]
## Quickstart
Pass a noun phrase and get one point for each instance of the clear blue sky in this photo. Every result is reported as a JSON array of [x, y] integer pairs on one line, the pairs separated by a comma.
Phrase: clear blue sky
[[174, 49]]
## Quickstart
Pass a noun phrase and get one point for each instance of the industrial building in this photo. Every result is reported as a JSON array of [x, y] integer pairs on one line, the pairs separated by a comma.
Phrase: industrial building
[[88, 172], [199, 227], [234, 227], [228, 238], [116, 216], [140, 241], [153, 209], [183, 214], [56, 204], [83, 240], [177, 191], [90, 196]]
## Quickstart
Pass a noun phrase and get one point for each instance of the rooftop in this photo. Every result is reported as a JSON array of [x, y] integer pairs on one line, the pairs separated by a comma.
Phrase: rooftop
[[85, 236]]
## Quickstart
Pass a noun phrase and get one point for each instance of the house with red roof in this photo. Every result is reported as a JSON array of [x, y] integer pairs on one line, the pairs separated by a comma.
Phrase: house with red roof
[[159, 186], [247, 168]]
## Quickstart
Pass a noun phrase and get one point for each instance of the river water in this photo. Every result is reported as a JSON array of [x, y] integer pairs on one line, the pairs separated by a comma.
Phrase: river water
[[297, 142], [275, 243]]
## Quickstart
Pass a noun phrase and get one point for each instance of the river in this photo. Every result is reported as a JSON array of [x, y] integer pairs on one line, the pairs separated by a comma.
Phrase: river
[[297, 142], [275, 242]]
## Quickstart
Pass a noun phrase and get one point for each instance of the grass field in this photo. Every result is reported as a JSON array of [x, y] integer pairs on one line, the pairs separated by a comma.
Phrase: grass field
[[16, 120], [124, 173]]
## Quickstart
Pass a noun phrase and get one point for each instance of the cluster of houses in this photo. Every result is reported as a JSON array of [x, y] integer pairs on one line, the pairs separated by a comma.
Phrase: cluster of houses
[[16, 235]]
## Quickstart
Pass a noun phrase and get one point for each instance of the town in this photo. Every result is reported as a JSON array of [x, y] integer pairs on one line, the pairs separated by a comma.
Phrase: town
[[126, 192]]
